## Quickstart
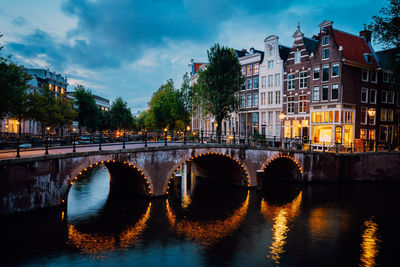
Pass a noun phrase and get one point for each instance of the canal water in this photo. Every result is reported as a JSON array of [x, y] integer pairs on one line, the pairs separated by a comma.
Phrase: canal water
[[218, 225]]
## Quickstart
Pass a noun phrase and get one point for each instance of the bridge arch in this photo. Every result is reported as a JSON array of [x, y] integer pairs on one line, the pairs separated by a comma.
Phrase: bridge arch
[[194, 156], [82, 169], [284, 166]]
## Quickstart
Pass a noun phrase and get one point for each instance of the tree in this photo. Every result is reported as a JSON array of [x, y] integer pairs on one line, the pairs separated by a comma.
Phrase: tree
[[219, 84], [65, 111], [167, 106], [42, 107], [88, 112], [121, 116]]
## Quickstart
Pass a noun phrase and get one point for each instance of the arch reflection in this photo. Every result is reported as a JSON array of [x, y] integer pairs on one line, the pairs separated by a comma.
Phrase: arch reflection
[[208, 233], [281, 216], [95, 243], [369, 244]]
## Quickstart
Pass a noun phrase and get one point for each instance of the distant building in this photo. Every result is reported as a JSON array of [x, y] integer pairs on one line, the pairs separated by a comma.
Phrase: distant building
[[40, 77]]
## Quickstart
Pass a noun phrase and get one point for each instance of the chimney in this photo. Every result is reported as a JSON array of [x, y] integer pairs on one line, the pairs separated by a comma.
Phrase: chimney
[[366, 34]]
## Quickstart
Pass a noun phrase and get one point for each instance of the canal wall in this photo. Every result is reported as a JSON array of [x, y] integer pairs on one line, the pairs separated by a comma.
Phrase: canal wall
[[41, 182]]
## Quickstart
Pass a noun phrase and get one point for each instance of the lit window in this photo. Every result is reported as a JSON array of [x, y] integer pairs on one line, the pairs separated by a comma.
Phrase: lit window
[[256, 68], [334, 91], [249, 70], [390, 115], [383, 114], [364, 95], [290, 85], [325, 53], [363, 134], [315, 93], [302, 104], [244, 70]]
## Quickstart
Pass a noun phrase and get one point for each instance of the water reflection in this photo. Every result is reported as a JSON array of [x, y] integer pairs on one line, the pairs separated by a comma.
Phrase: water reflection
[[369, 243], [208, 233], [281, 217]]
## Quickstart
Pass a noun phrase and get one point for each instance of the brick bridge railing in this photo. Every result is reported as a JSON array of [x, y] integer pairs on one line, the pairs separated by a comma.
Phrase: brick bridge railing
[[44, 181]]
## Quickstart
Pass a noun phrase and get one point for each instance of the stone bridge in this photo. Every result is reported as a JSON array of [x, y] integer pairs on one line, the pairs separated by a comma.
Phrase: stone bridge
[[44, 181]]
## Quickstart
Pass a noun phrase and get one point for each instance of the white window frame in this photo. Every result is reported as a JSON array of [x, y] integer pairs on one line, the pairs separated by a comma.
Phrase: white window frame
[[370, 93], [365, 117], [325, 38], [322, 93], [390, 100], [323, 54], [383, 115], [337, 91], [303, 79], [264, 81], [390, 115], [362, 75], [297, 57], [319, 73], [291, 103], [291, 80], [277, 97], [313, 92], [322, 72], [255, 100], [376, 77], [335, 65], [277, 79], [302, 102], [366, 95]]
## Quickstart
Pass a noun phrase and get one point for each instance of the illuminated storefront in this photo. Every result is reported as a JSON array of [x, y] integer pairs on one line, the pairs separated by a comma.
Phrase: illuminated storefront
[[332, 126], [296, 128]]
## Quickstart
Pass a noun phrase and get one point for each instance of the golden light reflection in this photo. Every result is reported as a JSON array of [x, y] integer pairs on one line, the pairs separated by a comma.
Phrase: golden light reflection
[[95, 244], [208, 233], [369, 244], [281, 217], [186, 201]]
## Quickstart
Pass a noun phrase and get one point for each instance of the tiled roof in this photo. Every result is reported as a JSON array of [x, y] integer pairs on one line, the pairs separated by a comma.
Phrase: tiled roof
[[354, 47], [310, 44], [240, 53], [284, 52], [196, 67]]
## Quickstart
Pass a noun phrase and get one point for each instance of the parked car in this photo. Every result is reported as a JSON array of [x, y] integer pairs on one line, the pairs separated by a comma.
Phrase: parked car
[[25, 145], [84, 140]]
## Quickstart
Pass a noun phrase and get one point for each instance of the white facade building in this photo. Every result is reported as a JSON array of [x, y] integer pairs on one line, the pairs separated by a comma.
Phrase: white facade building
[[271, 86]]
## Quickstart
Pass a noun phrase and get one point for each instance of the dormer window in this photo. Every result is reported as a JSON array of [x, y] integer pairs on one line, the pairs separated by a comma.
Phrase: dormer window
[[325, 40], [368, 58], [297, 57]]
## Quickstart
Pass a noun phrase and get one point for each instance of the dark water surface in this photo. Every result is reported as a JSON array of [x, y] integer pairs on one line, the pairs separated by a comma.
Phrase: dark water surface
[[220, 225]]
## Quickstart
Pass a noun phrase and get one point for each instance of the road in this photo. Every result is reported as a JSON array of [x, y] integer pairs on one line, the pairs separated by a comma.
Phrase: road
[[35, 152]]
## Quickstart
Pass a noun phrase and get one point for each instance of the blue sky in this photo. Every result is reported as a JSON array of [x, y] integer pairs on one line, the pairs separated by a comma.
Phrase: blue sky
[[129, 48]]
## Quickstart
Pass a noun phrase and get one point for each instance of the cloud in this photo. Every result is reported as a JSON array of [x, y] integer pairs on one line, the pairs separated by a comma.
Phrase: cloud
[[19, 21]]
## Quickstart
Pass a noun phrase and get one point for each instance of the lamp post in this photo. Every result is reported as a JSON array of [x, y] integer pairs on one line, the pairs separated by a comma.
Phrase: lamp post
[[73, 142], [123, 140], [186, 134], [165, 136], [282, 118], [47, 141], [371, 115]]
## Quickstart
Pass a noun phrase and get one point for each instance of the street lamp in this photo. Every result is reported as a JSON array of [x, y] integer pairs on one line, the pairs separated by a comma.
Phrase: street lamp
[[371, 115], [47, 141], [165, 136], [282, 118], [73, 138]]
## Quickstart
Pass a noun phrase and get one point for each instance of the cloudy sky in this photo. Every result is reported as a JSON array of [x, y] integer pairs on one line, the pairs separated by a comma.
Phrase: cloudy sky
[[129, 48]]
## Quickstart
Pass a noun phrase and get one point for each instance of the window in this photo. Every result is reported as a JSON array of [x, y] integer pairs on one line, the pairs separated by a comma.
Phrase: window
[[374, 77], [363, 116], [302, 104], [364, 95], [315, 93], [255, 83], [263, 118], [325, 53], [372, 120], [372, 96], [363, 134], [297, 57], [368, 58], [335, 70], [385, 77], [325, 90], [316, 73], [334, 91], [270, 80], [248, 103], [383, 133], [244, 70], [263, 81], [364, 76], [255, 100], [290, 104], [262, 98], [277, 79], [243, 86], [270, 50], [325, 40], [325, 73], [371, 134], [256, 68], [270, 98], [270, 64], [242, 101], [384, 97], [303, 79], [390, 97], [383, 114], [390, 115], [249, 70], [248, 84], [277, 97], [290, 85]]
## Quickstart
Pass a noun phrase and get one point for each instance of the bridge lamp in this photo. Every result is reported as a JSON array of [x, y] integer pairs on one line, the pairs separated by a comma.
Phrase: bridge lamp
[[281, 116], [188, 128], [371, 113], [165, 129]]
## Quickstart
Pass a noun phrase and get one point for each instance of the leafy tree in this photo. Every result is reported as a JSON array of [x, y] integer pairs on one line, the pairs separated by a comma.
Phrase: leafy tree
[[42, 107], [121, 116], [219, 84], [167, 106], [88, 112], [65, 112]]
